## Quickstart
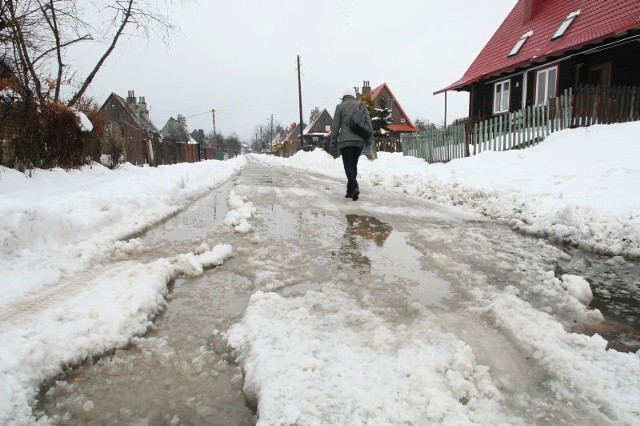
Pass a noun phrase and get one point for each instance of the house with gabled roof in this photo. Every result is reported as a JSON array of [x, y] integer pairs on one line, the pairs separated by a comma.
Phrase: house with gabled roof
[[316, 134], [290, 142], [175, 129], [128, 120], [383, 97], [545, 47]]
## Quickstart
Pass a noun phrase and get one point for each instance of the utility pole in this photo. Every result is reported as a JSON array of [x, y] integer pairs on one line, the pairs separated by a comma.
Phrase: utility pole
[[300, 101], [271, 135], [213, 113]]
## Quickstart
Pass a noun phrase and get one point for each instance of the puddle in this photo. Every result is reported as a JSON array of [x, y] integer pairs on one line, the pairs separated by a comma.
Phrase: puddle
[[180, 372], [195, 223], [375, 247], [615, 284]]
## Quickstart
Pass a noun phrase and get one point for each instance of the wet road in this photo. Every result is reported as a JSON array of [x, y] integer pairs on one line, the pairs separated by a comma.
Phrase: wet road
[[396, 254]]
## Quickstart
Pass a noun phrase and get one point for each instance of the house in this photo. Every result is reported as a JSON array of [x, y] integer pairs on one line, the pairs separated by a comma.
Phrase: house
[[383, 97], [176, 130], [544, 48], [290, 141], [316, 134], [127, 120], [177, 143]]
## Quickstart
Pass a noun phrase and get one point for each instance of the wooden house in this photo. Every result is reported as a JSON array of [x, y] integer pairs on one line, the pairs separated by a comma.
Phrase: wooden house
[[128, 121], [178, 144], [290, 143], [543, 48], [176, 130], [316, 134], [383, 97]]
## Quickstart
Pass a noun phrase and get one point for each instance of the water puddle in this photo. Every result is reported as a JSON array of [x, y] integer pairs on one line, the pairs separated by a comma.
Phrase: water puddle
[[180, 371], [615, 284], [375, 247]]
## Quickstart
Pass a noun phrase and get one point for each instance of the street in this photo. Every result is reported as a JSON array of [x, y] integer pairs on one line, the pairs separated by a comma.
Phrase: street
[[428, 313]]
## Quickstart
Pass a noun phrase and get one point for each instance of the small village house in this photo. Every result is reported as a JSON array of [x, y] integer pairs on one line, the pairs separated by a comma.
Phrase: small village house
[[545, 47], [383, 97], [290, 143], [316, 134], [551, 64], [127, 122], [178, 145], [399, 124]]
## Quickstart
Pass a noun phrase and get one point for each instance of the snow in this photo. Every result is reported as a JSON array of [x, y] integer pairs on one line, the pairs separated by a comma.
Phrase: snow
[[578, 186], [85, 124]]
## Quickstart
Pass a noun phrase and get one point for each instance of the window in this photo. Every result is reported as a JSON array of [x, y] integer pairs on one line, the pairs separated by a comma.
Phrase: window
[[600, 74], [565, 25], [501, 92], [402, 120], [546, 85], [520, 43]]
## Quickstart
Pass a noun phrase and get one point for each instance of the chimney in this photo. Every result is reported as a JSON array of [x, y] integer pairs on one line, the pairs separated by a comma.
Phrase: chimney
[[366, 87], [314, 113], [131, 98], [144, 110], [531, 7], [182, 121]]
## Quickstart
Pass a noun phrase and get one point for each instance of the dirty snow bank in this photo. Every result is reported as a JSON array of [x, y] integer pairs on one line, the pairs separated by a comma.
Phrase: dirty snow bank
[[58, 222], [60, 302]]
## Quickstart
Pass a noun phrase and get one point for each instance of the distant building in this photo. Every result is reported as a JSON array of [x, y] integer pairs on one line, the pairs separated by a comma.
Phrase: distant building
[[383, 96], [316, 134], [128, 121], [176, 131]]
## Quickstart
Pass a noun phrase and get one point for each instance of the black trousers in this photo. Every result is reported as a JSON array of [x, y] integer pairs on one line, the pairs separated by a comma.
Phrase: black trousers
[[350, 156]]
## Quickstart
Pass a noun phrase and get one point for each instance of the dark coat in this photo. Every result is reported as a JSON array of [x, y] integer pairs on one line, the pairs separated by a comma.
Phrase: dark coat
[[340, 131]]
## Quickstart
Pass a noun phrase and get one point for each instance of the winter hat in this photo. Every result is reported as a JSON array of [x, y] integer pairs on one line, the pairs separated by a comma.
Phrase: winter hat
[[347, 92]]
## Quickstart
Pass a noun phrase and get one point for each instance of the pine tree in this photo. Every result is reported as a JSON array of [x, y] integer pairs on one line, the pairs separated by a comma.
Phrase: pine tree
[[380, 116]]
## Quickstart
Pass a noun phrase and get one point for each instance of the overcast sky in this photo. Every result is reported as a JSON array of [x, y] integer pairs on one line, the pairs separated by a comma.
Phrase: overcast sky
[[239, 58]]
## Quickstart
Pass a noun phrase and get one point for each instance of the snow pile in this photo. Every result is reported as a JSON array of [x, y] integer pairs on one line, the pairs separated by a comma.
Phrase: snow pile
[[579, 186], [85, 124], [114, 306], [57, 222], [62, 300], [239, 211], [578, 287], [579, 366], [322, 359], [193, 265]]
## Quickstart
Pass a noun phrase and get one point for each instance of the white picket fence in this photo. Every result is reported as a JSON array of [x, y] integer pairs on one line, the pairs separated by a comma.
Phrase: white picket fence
[[513, 130]]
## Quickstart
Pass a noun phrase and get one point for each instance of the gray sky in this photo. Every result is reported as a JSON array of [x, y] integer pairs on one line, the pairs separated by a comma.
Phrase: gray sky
[[239, 58]]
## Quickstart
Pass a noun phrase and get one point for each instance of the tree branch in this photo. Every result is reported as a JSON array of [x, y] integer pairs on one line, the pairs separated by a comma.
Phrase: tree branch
[[125, 20]]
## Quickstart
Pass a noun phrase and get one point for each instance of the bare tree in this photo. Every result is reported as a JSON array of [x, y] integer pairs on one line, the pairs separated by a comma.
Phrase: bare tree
[[37, 34]]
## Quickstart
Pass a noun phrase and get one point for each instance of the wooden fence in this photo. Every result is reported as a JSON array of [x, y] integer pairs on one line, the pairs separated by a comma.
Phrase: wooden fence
[[605, 105], [589, 105], [166, 152]]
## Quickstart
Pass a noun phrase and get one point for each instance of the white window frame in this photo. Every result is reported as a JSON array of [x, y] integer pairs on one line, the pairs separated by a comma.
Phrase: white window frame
[[543, 93], [501, 104]]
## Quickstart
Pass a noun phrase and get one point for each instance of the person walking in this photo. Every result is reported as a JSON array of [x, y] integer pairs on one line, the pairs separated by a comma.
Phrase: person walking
[[350, 143]]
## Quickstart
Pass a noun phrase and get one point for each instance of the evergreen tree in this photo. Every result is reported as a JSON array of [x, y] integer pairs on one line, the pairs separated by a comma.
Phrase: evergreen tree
[[380, 116]]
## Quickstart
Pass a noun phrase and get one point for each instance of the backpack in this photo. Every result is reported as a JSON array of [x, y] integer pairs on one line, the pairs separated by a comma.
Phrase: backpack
[[359, 124]]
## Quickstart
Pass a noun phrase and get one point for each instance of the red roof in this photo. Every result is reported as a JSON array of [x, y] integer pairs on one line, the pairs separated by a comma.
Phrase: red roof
[[407, 126], [597, 21]]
